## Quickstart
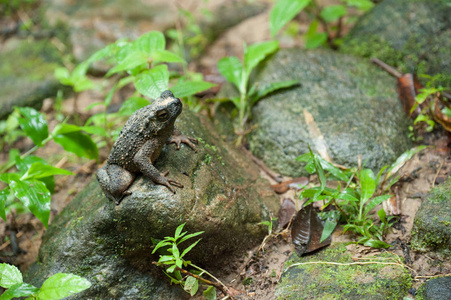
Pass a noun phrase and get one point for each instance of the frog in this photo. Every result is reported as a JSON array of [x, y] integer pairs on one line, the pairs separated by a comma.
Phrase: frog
[[139, 144]]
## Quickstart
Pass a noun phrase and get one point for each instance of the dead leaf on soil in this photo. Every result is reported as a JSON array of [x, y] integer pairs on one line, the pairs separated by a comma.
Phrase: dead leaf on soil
[[286, 212], [307, 230], [296, 184]]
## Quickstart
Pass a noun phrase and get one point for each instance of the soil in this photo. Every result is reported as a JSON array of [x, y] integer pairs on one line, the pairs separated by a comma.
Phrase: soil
[[255, 274]]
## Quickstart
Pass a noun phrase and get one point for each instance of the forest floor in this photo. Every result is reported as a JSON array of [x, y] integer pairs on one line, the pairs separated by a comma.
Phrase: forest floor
[[257, 273]]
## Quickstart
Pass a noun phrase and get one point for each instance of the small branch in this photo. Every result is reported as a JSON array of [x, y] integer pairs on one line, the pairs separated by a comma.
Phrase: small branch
[[438, 171], [389, 69]]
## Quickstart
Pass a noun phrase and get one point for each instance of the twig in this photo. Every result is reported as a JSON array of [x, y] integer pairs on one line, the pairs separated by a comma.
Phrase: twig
[[415, 278], [438, 171], [389, 69]]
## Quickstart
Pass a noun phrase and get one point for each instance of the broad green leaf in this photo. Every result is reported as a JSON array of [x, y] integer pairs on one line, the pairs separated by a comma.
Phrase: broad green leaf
[[65, 128], [376, 244], [210, 293], [375, 202], [62, 74], [175, 251], [35, 196], [132, 61], [382, 215], [191, 285], [96, 130], [166, 56], [189, 88], [19, 290], [283, 11], [34, 124], [190, 236], [79, 143], [24, 164], [360, 4], [62, 285], [231, 68], [329, 228], [336, 172], [3, 196], [9, 276], [315, 40], [402, 159], [153, 82], [80, 70], [261, 92], [132, 104], [165, 258], [367, 184], [39, 170], [83, 84], [332, 13], [149, 42], [255, 53], [178, 230], [161, 244]]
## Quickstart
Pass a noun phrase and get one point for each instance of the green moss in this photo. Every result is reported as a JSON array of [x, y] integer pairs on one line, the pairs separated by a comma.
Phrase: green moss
[[441, 193], [327, 281]]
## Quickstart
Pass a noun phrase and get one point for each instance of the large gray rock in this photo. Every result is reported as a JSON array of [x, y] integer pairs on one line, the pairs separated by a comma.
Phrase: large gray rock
[[26, 73], [111, 245], [342, 280], [408, 34], [438, 288], [354, 106], [431, 231]]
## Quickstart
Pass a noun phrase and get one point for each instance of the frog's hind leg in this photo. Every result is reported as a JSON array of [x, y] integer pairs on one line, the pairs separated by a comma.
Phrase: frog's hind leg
[[114, 181]]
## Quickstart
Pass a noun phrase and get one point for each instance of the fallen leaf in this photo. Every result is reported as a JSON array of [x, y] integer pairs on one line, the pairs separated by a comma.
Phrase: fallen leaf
[[307, 230], [441, 118], [295, 184], [286, 212]]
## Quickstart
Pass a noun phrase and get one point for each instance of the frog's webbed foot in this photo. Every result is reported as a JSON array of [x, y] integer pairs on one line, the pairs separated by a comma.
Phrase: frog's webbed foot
[[177, 138], [163, 180]]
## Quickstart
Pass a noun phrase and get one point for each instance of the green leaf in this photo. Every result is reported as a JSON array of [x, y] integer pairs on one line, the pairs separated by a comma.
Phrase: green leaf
[[166, 56], [40, 170], [190, 236], [191, 285], [375, 202], [178, 230], [189, 88], [210, 293], [231, 68], [363, 5], [332, 13], [376, 244], [321, 176], [3, 196], [315, 40], [269, 88], [19, 290], [65, 128], [153, 82], [329, 228], [188, 249], [255, 53], [34, 124], [62, 285], [382, 215], [35, 196], [62, 74], [79, 143], [149, 42], [96, 130], [367, 183], [402, 159], [283, 11], [24, 164], [132, 104], [9, 276], [130, 62]]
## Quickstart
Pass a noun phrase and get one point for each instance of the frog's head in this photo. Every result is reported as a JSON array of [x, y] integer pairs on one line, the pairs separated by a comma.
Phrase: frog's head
[[165, 111]]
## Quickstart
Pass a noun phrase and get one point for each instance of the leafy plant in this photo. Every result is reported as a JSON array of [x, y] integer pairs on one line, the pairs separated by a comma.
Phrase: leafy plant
[[58, 286], [174, 264], [33, 182], [330, 17], [355, 201], [239, 74]]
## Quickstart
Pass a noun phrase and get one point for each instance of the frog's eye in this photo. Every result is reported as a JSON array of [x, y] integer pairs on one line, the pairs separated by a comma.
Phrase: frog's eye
[[163, 114]]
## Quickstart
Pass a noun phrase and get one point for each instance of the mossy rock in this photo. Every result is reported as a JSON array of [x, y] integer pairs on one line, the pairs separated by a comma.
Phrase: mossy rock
[[354, 106], [26, 73], [431, 231], [111, 245], [412, 35], [329, 281], [438, 288]]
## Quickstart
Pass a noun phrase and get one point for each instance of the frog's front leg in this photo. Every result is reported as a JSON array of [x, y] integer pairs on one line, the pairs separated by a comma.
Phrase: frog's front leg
[[114, 181], [144, 163], [177, 138]]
